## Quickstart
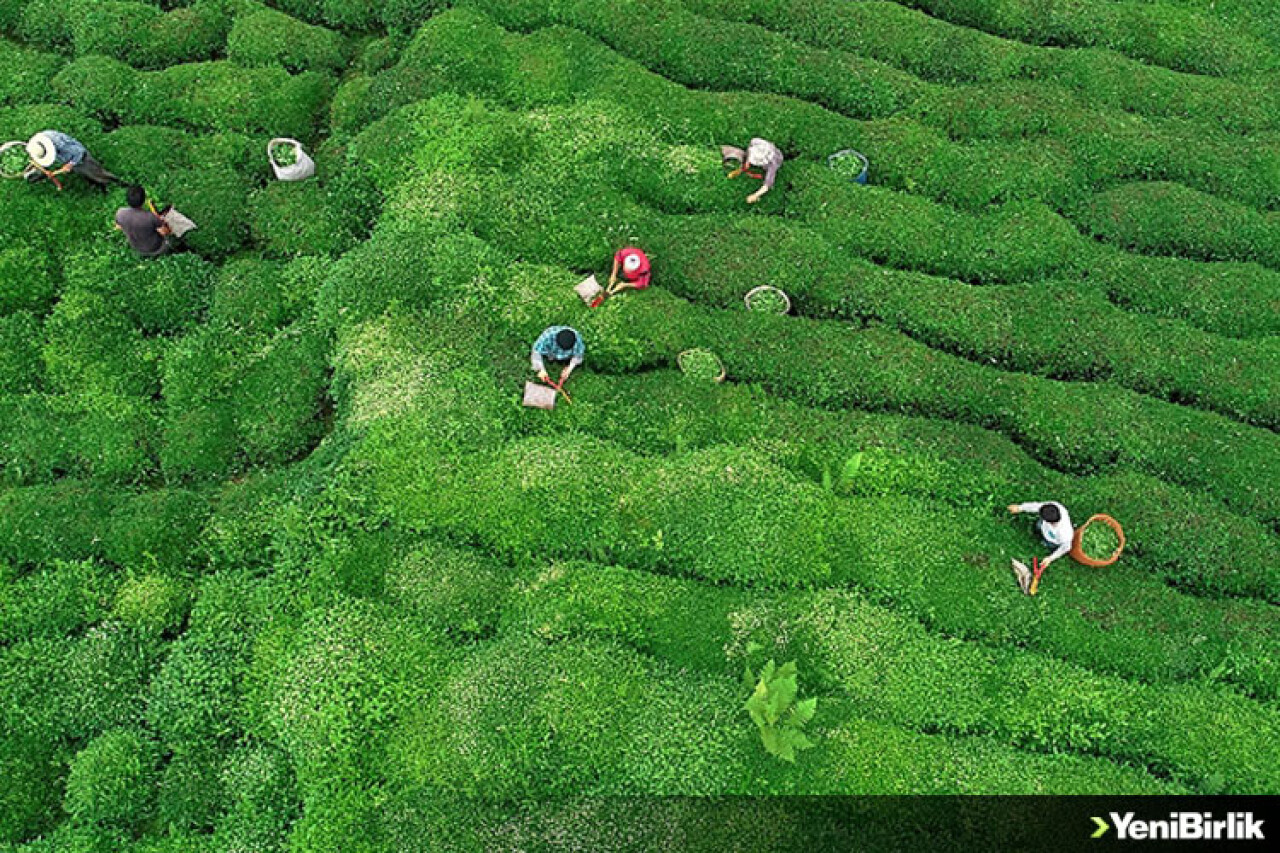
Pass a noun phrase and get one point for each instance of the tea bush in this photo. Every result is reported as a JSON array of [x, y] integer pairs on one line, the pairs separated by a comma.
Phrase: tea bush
[[145, 37], [711, 261], [939, 50], [251, 296], [340, 14], [199, 95], [669, 529], [1097, 159], [242, 400], [157, 530], [1160, 34], [24, 73], [20, 364], [302, 218], [267, 37], [836, 633], [151, 604], [660, 743], [26, 279], [111, 781], [729, 56], [54, 602], [106, 437], [1169, 219]]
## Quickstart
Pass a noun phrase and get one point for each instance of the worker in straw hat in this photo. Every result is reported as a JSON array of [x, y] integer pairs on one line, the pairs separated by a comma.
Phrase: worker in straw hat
[[56, 153], [760, 154], [557, 343], [1053, 523]]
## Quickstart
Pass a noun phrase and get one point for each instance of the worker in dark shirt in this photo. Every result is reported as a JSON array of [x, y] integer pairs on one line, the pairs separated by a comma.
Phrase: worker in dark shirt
[[147, 233]]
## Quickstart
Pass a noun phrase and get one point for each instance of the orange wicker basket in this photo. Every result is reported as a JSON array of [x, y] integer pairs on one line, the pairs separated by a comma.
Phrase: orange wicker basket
[[1077, 550]]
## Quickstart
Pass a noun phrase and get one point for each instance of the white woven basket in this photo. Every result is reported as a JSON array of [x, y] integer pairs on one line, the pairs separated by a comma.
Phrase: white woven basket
[[765, 288]]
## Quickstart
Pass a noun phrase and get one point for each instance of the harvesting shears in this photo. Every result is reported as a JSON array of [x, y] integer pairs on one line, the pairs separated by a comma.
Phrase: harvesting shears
[[559, 387], [1029, 579]]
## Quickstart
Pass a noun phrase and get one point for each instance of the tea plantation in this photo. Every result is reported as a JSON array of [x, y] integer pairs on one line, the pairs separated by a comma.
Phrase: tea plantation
[[286, 565]]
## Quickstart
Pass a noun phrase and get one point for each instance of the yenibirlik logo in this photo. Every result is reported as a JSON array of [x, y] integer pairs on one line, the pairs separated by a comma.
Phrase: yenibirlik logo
[[1183, 826]]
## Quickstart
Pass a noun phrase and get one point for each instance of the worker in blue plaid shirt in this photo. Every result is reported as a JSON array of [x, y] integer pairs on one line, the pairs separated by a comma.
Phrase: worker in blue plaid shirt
[[557, 343]]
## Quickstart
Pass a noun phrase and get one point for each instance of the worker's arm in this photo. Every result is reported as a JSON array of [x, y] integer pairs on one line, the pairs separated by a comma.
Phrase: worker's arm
[[535, 359], [730, 153], [770, 175], [1027, 507], [570, 367], [1062, 551], [613, 276]]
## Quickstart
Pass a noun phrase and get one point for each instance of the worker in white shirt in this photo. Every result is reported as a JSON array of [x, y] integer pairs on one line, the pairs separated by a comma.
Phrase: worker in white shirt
[[1054, 526]]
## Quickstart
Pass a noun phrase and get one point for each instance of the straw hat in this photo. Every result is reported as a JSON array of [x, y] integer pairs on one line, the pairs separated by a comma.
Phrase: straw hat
[[42, 151]]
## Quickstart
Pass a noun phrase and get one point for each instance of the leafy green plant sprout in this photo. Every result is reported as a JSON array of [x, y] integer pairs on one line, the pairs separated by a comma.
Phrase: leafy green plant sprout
[[768, 300], [13, 161], [701, 365], [1099, 541], [284, 154], [776, 712]]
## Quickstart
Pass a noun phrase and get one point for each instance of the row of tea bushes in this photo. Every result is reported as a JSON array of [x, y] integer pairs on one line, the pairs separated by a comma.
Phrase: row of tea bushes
[[444, 57], [1161, 34], [901, 674], [875, 455], [1100, 146], [944, 52], [207, 96]]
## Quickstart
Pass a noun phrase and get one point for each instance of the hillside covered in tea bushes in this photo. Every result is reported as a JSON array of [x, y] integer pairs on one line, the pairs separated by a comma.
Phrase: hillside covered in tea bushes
[[285, 564]]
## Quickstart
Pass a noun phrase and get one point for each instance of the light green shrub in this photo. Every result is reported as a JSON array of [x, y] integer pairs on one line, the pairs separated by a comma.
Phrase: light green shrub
[[250, 296], [26, 279], [157, 530], [1168, 219], [111, 781], [899, 673], [142, 35], [277, 399], [198, 95], [450, 589], [45, 523], [21, 367], [151, 604], [263, 802], [288, 219], [1161, 34], [54, 601], [103, 436], [90, 345], [268, 37], [190, 796], [25, 74], [658, 413]]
